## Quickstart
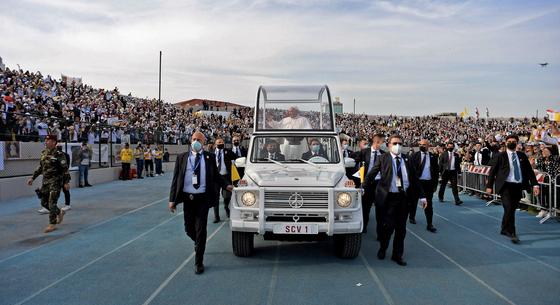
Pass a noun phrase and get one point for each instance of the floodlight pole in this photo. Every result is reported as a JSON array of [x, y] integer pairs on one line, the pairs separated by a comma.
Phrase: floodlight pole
[[159, 102]]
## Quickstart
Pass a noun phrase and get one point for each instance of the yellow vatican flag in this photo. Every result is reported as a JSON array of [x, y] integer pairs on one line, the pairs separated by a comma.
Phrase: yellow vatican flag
[[361, 173], [234, 173]]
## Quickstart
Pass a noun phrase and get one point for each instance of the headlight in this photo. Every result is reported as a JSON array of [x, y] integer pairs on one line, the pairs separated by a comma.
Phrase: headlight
[[344, 200], [248, 199]]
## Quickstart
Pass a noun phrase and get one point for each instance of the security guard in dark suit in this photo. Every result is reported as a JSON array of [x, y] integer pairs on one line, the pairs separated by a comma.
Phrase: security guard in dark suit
[[427, 170], [512, 173], [194, 184], [224, 159]]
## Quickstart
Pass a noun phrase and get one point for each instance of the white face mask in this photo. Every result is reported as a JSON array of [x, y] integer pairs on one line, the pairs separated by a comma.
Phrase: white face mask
[[396, 149]]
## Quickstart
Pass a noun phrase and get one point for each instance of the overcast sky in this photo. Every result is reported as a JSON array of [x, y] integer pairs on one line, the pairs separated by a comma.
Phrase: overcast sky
[[403, 57]]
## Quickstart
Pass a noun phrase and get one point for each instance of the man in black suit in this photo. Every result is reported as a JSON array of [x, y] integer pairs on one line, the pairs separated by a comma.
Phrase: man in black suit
[[368, 157], [426, 167], [481, 155], [397, 189], [272, 152], [449, 166], [237, 149], [224, 159], [194, 184], [512, 173], [315, 150]]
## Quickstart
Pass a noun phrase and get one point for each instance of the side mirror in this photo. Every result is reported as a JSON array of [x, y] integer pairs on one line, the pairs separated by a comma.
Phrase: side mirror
[[348, 162], [240, 162]]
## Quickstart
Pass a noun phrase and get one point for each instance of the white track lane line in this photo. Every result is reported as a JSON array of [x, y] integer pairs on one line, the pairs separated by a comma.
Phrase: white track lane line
[[96, 260], [274, 276], [377, 280], [472, 275], [501, 244], [86, 228], [168, 280]]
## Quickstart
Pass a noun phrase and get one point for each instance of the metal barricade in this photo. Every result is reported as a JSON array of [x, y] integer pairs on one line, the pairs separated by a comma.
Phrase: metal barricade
[[549, 196], [474, 180]]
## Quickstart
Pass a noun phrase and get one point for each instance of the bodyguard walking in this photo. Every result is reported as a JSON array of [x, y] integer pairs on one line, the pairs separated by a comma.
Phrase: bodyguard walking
[[512, 173], [397, 189], [449, 166], [54, 168], [426, 168], [194, 184]]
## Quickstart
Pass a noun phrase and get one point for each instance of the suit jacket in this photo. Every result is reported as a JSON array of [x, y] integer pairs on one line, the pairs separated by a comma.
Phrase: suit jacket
[[213, 178], [485, 152], [243, 151], [416, 161], [229, 157], [350, 153], [444, 161], [500, 171], [308, 155], [365, 156], [384, 165]]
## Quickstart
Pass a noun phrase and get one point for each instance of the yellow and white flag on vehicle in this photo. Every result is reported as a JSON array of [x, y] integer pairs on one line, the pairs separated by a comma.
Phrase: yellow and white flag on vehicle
[[360, 173], [234, 173], [553, 115]]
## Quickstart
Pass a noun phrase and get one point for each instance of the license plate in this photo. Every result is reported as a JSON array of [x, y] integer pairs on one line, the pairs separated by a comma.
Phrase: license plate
[[296, 228]]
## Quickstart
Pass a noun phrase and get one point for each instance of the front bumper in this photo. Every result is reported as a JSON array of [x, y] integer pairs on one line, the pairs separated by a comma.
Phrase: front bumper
[[334, 220]]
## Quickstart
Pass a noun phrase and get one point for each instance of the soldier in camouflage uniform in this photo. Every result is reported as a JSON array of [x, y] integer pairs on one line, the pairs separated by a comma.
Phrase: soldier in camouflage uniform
[[54, 168]]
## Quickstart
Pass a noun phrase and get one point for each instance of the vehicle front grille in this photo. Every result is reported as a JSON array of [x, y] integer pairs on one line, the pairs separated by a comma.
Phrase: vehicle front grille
[[310, 200]]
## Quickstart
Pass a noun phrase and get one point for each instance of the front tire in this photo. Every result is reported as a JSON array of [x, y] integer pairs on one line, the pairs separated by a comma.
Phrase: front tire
[[347, 245], [242, 243]]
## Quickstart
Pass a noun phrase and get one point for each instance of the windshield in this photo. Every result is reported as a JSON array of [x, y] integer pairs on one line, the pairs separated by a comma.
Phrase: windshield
[[294, 107], [316, 149]]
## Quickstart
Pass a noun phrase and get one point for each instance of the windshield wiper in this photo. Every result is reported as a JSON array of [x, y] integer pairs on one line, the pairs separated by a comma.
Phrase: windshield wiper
[[310, 163], [277, 163]]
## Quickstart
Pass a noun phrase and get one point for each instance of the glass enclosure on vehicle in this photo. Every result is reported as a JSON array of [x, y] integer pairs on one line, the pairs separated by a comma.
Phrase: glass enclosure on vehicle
[[298, 108], [316, 149]]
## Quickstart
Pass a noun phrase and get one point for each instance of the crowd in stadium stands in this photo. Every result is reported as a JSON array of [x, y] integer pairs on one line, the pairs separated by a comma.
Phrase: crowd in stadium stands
[[34, 105]]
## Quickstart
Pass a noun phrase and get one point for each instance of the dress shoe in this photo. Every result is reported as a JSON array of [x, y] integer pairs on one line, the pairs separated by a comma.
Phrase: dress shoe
[[412, 221], [198, 269], [88, 185], [458, 202], [431, 229], [364, 231], [515, 239], [506, 234], [50, 228], [216, 220], [60, 217], [399, 261], [80, 185], [381, 254], [441, 200]]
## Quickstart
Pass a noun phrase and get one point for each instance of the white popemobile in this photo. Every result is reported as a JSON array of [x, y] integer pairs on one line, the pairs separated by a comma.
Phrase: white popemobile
[[295, 185]]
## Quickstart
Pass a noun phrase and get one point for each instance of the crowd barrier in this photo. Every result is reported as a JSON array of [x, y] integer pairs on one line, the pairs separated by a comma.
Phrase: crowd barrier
[[474, 178]]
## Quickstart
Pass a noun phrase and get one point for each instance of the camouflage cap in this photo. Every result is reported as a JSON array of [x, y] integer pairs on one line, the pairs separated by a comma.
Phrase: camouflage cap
[[52, 137]]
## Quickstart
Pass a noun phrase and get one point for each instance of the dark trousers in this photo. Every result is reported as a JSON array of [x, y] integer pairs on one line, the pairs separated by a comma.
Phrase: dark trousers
[[125, 172], [149, 167], [66, 196], [227, 199], [158, 166], [428, 187], [139, 167], [196, 218], [394, 214], [367, 203], [511, 194], [449, 176]]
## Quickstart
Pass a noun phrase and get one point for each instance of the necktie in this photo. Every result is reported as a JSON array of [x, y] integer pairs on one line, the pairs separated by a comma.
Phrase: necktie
[[219, 162], [423, 163], [238, 151], [516, 169], [450, 159], [399, 172], [197, 170]]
